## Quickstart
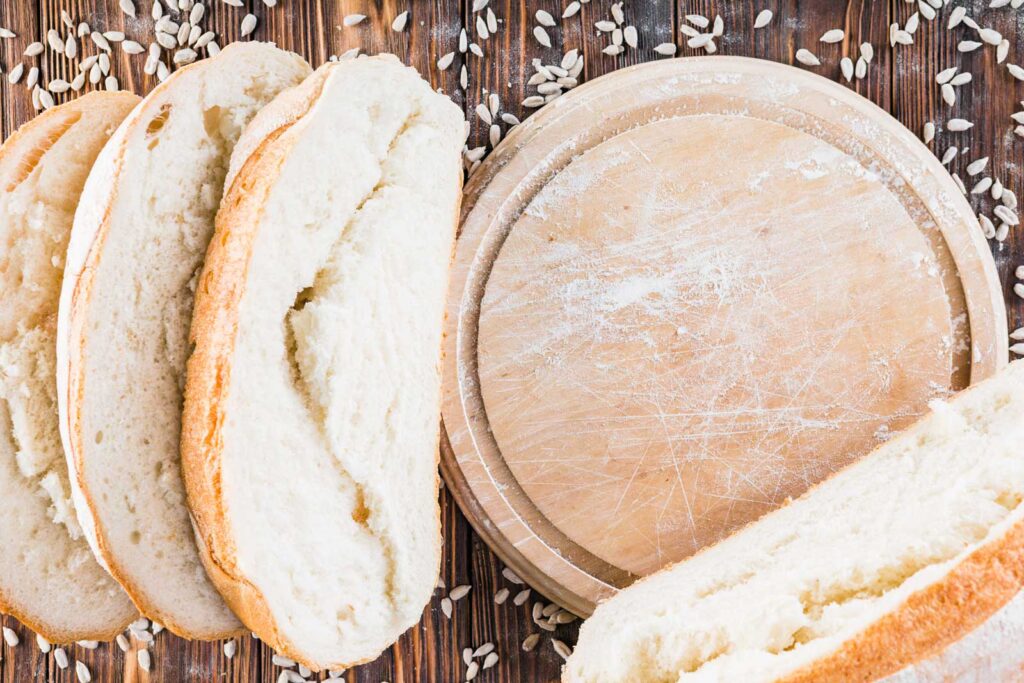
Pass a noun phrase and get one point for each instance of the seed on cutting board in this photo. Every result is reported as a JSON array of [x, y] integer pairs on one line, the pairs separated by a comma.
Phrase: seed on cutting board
[[1015, 71], [484, 649], [764, 17], [481, 29], [7, 33], [956, 16], [398, 25], [445, 61], [563, 617], [43, 644], [704, 39], [542, 36], [571, 9], [492, 21], [467, 655], [33, 77], [805, 56], [494, 135], [861, 69], [1002, 232], [613, 50], [629, 34], [968, 45], [718, 28], [16, 73], [55, 41], [544, 18], [977, 166], [521, 597], [834, 35], [501, 596], [1003, 51], [1009, 198], [144, 659], [353, 19], [958, 125], [490, 660], [997, 189], [698, 20], [463, 77], [34, 49], [82, 672], [61, 657], [666, 49], [1018, 289], [604, 26], [10, 637], [961, 79], [617, 14], [1018, 334], [946, 75], [472, 670], [459, 592], [929, 132], [913, 21], [446, 607], [982, 185], [867, 51], [510, 119], [949, 155], [927, 11], [617, 36], [280, 660], [533, 101]]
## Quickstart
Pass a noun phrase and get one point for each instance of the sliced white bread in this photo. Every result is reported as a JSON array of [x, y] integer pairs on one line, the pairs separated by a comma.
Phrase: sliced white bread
[[879, 566], [140, 234], [311, 424], [48, 576]]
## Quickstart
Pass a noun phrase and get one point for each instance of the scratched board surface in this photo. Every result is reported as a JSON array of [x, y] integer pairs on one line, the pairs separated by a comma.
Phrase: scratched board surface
[[901, 81]]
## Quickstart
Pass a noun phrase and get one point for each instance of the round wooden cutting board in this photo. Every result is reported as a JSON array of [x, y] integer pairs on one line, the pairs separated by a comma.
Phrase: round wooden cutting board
[[686, 292]]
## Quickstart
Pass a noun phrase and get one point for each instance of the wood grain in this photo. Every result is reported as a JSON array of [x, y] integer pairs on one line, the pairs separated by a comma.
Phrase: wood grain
[[902, 82]]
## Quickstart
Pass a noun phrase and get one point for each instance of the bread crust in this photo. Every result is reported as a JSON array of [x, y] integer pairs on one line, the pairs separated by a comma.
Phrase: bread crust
[[929, 619], [87, 247], [214, 331], [13, 147]]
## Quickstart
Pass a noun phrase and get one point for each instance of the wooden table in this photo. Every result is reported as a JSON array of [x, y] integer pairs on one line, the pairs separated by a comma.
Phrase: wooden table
[[901, 81]]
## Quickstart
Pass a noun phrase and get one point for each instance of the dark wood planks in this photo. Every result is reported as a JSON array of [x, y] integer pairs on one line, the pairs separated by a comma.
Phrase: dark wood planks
[[900, 81]]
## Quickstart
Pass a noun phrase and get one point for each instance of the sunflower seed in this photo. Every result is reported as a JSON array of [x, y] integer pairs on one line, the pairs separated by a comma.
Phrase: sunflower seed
[[997, 189], [280, 660], [1009, 198], [463, 77], [968, 45], [1018, 289], [305, 671], [613, 50], [10, 637], [867, 52], [926, 10], [444, 63], [667, 49], [83, 30], [510, 119], [492, 21], [58, 86], [718, 28], [1018, 334], [846, 67], [861, 69], [43, 644], [531, 642], [563, 617], [977, 166], [16, 73], [834, 35], [82, 672], [167, 41], [948, 94], [542, 36], [185, 56], [1003, 51], [248, 24], [484, 649], [987, 228], [479, 5], [521, 597], [764, 17], [1006, 215], [1019, 272], [459, 592], [61, 657], [446, 607], [617, 13], [630, 36], [122, 642], [467, 655], [132, 47], [982, 185], [949, 155], [34, 49], [398, 25], [990, 36], [946, 75], [617, 36], [958, 125], [961, 79], [929, 132], [100, 40], [956, 16], [549, 609], [78, 82], [538, 608], [463, 41], [571, 9], [1015, 71], [1002, 232], [544, 18], [7, 33], [352, 19], [805, 56], [490, 660], [472, 670], [145, 661], [55, 41], [501, 596], [561, 648], [114, 36], [45, 98], [903, 38], [533, 101], [33, 77], [913, 21], [1017, 349], [698, 20]]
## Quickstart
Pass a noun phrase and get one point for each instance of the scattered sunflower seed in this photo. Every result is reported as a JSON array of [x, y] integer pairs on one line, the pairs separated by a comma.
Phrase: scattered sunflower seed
[[805, 56], [531, 642], [248, 24], [982, 186], [977, 166], [958, 125], [353, 19], [846, 66], [442, 64], [145, 661], [542, 36], [571, 9], [666, 49], [398, 25], [561, 648], [446, 603], [82, 672], [764, 17], [10, 637], [929, 131], [60, 656], [834, 35]]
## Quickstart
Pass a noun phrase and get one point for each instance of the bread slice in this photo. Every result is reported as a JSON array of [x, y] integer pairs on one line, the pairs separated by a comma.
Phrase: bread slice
[[311, 422], [879, 566], [48, 577], [138, 243]]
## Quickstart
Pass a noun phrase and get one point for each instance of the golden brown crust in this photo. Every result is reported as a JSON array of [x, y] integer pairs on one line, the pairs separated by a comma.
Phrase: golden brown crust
[[214, 329], [929, 619], [120, 104]]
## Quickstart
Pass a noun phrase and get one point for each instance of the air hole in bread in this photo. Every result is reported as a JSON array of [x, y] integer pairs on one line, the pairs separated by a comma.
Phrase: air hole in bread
[[156, 124], [29, 162]]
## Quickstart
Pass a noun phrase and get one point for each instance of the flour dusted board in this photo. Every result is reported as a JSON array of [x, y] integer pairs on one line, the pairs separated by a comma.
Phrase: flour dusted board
[[685, 292]]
